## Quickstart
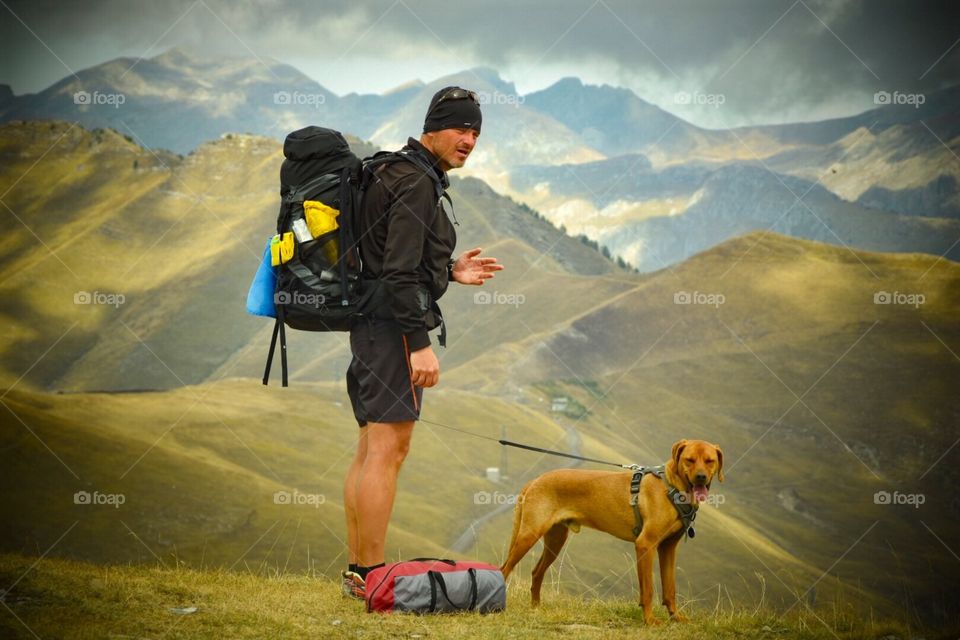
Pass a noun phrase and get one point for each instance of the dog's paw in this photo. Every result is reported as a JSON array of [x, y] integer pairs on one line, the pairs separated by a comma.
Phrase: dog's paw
[[679, 617]]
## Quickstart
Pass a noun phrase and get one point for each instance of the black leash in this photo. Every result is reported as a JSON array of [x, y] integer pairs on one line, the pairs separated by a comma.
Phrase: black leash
[[509, 443]]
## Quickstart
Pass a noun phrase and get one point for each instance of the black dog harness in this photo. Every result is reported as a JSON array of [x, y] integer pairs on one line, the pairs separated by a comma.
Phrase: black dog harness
[[686, 510]]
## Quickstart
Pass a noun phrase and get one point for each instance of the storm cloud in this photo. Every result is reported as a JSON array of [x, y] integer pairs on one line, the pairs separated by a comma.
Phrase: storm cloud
[[767, 61]]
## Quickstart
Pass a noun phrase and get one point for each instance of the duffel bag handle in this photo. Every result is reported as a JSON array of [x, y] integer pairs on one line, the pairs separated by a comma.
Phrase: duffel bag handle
[[444, 560], [436, 579]]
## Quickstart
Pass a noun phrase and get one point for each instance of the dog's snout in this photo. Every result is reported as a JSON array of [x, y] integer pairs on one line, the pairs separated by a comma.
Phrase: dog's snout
[[700, 477]]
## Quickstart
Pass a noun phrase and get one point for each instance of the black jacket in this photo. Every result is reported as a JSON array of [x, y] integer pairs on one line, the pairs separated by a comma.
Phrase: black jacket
[[407, 241]]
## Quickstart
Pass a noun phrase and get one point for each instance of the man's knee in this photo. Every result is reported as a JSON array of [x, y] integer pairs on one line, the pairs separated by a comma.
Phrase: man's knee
[[389, 445], [388, 456]]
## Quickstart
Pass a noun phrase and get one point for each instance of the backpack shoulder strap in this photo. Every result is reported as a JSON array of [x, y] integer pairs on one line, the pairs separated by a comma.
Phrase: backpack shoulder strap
[[371, 164], [420, 162]]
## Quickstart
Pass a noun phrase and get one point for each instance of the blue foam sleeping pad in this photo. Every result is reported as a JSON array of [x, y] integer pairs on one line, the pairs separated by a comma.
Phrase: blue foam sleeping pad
[[260, 300]]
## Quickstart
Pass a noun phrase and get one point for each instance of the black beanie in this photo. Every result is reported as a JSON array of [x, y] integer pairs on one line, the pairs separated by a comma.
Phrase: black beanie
[[461, 113]]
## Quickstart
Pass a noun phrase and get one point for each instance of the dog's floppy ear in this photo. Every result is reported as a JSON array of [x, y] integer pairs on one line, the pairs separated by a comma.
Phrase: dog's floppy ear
[[719, 463], [677, 451]]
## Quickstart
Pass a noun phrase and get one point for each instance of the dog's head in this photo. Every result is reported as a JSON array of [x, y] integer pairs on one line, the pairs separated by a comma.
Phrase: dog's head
[[696, 463]]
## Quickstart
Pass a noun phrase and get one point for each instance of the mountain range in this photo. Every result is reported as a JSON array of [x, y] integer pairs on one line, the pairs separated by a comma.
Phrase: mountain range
[[649, 186]]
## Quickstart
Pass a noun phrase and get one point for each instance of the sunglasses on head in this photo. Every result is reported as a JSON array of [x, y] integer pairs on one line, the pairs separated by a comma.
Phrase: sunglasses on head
[[460, 94]]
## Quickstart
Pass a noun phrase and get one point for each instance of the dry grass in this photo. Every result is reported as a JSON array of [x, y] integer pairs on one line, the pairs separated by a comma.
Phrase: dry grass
[[68, 599]]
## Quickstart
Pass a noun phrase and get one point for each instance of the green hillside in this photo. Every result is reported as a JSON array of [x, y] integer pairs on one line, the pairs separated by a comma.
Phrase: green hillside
[[199, 468]]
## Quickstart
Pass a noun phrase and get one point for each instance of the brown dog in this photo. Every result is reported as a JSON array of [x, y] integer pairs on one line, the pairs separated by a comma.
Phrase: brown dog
[[566, 499]]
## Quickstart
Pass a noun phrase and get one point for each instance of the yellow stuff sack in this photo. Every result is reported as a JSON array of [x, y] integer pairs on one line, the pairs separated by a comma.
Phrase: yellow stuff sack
[[281, 248], [321, 218]]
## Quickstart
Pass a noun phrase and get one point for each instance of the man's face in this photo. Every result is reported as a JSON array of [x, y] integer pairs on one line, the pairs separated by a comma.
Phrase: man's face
[[450, 146]]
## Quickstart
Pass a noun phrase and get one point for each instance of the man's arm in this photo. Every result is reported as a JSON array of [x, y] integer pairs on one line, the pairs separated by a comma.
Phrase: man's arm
[[409, 218]]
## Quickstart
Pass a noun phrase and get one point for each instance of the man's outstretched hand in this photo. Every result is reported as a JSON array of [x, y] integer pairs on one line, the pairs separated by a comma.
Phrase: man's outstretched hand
[[472, 269]]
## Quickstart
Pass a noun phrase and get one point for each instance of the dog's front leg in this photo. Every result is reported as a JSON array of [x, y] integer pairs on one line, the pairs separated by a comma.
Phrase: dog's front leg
[[668, 577], [645, 547]]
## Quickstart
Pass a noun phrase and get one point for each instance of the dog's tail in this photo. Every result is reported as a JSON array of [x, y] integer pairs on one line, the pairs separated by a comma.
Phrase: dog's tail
[[517, 517]]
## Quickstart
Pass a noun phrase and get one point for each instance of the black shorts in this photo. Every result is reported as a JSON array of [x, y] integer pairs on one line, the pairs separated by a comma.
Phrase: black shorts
[[378, 379]]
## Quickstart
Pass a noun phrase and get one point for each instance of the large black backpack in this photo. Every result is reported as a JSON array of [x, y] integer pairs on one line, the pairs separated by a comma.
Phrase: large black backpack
[[320, 281]]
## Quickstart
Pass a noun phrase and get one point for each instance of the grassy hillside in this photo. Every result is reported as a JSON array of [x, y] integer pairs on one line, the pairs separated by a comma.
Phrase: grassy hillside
[[175, 242], [67, 599], [100, 218], [199, 468]]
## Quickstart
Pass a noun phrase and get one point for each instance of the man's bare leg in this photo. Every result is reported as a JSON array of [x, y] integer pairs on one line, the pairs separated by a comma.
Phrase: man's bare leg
[[350, 498], [387, 445]]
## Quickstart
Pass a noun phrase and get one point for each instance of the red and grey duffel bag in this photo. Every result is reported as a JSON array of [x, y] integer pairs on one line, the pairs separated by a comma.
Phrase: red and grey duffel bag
[[431, 585]]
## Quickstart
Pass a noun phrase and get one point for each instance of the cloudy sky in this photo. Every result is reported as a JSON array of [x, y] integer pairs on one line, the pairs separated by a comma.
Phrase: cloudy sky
[[767, 60]]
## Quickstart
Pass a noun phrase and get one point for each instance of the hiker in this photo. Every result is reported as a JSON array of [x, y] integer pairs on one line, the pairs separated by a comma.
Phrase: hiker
[[407, 241]]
